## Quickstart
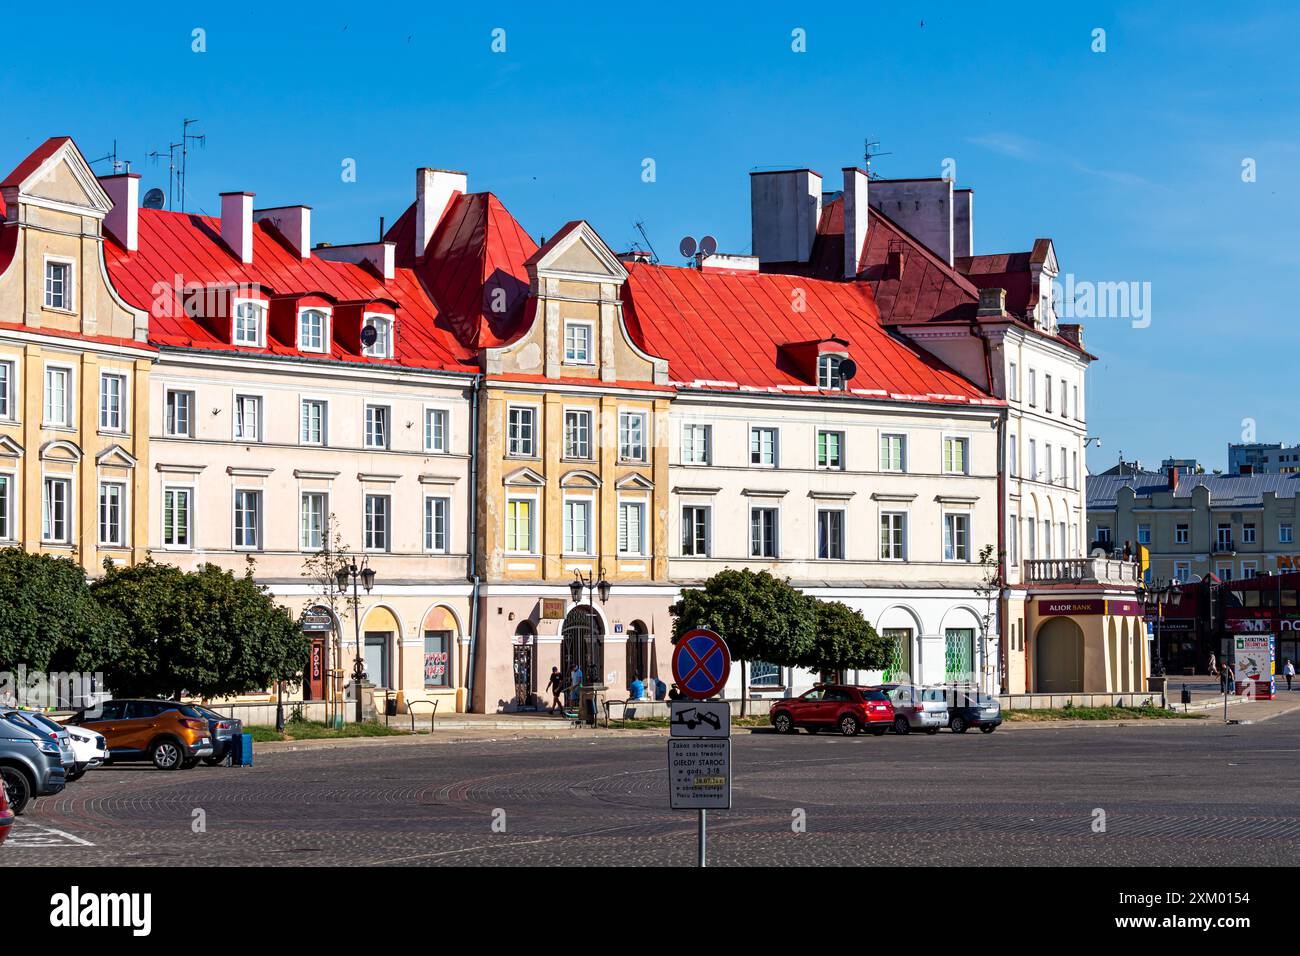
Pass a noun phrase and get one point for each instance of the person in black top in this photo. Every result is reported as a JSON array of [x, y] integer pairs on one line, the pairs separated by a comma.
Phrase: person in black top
[[674, 693], [556, 686]]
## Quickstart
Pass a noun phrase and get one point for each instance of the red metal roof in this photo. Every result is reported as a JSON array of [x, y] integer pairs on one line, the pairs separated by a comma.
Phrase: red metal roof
[[727, 330]]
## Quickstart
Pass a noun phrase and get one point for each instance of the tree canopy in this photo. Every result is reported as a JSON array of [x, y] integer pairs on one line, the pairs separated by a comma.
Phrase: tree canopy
[[48, 619]]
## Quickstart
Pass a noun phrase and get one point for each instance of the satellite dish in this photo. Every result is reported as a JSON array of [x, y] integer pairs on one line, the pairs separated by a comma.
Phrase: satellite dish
[[848, 369], [708, 246], [686, 247], [154, 198], [368, 335], [1098, 552]]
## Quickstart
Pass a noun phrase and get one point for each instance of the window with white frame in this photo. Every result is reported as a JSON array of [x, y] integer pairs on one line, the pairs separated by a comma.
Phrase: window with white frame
[[1047, 459], [956, 537], [519, 526], [56, 510], [1061, 540], [763, 532], [6, 507], [1013, 382], [1013, 457], [311, 422], [577, 434], [312, 330], [1074, 469], [377, 426], [112, 402], [1033, 460], [828, 371], [435, 431], [1224, 535], [1013, 540], [1248, 534], [893, 536], [1078, 412], [112, 496], [1065, 475], [1103, 534], [177, 517], [248, 418], [1144, 533], [1033, 387], [7, 390], [830, 534], [955, 461], [180, 413], [893, 452], [631, 436], [1065, 403], [1047, 393], [437, 521], [58, 396], [248, 519], [1031, 539], [1249, 569], [1224, 571], [631, 527], [1182, 571], [830, 450], [1047, 539], [577, 526], [762, 446], [249, 324], [311, 521], [382, 346], [521, 431], [1284, 533], [58, 284], [577, 343], [695, 531], [695, 444], [1182, 533], [378, 518]]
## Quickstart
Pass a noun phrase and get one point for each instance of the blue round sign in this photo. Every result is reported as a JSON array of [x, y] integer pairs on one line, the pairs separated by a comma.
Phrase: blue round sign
[[701, 664]]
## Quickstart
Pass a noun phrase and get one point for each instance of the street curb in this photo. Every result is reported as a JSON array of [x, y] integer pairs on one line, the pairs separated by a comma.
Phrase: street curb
[[345, 743], [1207, 720]]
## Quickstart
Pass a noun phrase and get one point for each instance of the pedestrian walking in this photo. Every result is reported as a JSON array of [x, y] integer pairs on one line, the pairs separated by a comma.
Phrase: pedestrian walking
[[556, 686], [1288, 671], [1214, 666], [1227, 679]]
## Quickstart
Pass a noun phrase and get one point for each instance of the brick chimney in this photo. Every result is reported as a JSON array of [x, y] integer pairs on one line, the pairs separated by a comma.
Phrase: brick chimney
[[237, 224], [123, 220], [1173, 480], [434, 188]]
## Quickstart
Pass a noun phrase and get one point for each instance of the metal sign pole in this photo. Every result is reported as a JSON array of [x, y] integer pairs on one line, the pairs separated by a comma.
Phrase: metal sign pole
[[704, 826]]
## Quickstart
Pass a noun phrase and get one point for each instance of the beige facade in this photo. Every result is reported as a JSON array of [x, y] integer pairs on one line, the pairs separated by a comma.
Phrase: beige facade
[[74, 373]]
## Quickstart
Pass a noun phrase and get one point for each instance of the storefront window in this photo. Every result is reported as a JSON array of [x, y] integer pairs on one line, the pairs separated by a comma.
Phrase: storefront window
[[437, 659]]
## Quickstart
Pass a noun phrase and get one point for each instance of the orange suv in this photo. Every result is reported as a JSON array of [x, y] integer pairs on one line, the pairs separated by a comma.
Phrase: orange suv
[[167, 732]]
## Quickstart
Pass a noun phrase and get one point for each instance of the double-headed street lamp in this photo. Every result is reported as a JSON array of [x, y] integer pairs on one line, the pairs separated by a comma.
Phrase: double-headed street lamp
[[359, 577], [594, 588], [1155, 599]]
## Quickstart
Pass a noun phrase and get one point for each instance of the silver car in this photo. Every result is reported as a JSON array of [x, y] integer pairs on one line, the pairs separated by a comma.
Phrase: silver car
[[917, 708], [42, 725]]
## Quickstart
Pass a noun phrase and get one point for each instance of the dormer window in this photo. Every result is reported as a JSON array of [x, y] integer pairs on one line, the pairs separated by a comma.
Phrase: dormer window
[[577, 343], [250, 322], [312, 330], [828, 371], [58, 284], [382, 346]]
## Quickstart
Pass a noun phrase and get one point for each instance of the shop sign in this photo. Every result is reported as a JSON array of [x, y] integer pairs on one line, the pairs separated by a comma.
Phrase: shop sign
[[552, 609]]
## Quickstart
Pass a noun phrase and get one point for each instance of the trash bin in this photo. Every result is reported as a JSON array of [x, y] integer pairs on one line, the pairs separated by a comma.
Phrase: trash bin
[[390, 706], [1187, 695], [241, 750]]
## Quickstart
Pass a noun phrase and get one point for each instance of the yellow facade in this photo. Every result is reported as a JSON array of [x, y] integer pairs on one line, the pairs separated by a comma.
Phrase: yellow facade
[[75, 425]]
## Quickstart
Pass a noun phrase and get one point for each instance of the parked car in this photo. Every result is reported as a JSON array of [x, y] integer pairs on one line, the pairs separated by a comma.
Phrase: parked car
[[31, 765], [90, 749], [968, 707], [6, 816], [40, 724], [917, 708], [167, 732], [222, 730], [846, 707]]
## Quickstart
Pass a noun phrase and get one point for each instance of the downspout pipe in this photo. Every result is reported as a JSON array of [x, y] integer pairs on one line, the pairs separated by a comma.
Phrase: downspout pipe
[[1003, 659], [472, 548]]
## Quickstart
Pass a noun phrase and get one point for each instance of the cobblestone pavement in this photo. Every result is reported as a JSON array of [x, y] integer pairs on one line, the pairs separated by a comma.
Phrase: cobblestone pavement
[[1193, 794]]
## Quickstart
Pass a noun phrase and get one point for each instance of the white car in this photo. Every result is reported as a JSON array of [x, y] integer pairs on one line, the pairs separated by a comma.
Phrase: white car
[[88, 748]]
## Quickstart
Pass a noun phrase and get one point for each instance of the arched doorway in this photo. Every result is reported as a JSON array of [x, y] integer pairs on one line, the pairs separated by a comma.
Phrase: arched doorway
[[583, 644], [638, 652], [1058, 656], [318, 624], [525, 665]]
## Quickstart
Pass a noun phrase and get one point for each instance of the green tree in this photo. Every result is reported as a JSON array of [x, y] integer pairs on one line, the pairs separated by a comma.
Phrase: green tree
[[208, 632], [48, 619], [761, 617], [845, 641]]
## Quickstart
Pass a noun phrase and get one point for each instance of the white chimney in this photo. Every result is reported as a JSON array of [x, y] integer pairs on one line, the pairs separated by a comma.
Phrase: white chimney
[[123, 220], [380, 255], [434, 188], [855, 219], [963, 223], [292, 222], [924, 207], [784, 209], [237, 224]]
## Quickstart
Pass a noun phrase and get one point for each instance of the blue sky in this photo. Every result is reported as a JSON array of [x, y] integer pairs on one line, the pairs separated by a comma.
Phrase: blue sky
[[1131, 159]]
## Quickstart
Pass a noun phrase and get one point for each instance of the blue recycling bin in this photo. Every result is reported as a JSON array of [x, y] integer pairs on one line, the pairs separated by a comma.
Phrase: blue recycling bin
[[241, 750]]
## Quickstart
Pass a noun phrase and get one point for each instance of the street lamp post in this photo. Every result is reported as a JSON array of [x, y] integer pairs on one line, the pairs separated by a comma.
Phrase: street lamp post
[[359, 577], [594, 588], [1155, 599]]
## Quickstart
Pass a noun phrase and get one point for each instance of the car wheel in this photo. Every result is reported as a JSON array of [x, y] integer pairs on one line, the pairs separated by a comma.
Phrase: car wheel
[[988, 728], [783, 724], [18, 788], [958, 725], [166, 754], [848, 725], [931, 731], [901, 726]]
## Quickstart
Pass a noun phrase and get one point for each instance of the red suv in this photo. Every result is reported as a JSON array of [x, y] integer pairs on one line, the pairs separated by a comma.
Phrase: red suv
[[847, 708]]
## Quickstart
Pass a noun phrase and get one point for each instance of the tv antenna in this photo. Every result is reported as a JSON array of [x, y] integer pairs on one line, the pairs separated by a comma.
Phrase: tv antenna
[[178, 170], [640, 227], [118, 165], [870, 150]]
